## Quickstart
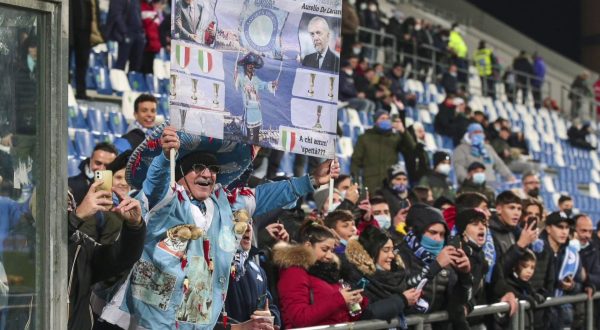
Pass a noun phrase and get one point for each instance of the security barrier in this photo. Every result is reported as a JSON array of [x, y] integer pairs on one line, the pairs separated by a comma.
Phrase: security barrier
[[517, 322]]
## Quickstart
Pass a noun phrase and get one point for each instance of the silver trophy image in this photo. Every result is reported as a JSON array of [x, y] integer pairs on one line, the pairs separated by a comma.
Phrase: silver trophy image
[[215, 100], [318, 124], [173, 86], [194, 90], [311, 89], [182, 113], [331, 81]]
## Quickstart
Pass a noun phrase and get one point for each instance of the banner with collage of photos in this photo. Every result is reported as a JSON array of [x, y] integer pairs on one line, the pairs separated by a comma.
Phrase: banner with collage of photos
[[257, 71]]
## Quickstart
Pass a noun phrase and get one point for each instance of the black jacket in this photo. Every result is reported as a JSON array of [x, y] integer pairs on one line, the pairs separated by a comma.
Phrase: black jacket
[[523, 69], [417, 162], [91, 262], [124, 20], [80, 183], [330, 62], [395, 202], [577, 138], [439, 185], [449, 83], [449, 123], [590, 261]]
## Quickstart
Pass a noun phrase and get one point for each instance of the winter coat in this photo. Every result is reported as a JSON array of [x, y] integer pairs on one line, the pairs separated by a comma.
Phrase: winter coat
[[243, 294], [80, 183], [395, 202], [539, 69], [449, 123], [347, 87], [91, 262], [151, 23], [417, 161], [375, 151], [543, 280], [449, 83], [462, 158], [468, 186], [305, 299], [590, 261], [350, 20], [124, 20], [523, 70], [443, 284], [439, 185]]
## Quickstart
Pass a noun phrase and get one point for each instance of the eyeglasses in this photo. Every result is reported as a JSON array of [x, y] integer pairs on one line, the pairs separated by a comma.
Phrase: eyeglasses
[[199, 168]]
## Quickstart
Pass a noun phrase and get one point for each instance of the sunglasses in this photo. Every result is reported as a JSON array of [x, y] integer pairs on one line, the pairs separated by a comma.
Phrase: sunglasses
[[199, 168]]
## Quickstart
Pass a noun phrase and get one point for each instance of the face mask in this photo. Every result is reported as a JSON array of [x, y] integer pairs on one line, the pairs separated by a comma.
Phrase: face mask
[[453, 74], [399, 188], [477, 139], [385, 125], [535, 192], [575, 243], [479, 178], [30, 63], [583, 246], [348, 71], [343, 242], [568, 212], [342, 195], [356, 50], [417, 27], [383, 220], [432, 246], [443, 169], [372, 7]]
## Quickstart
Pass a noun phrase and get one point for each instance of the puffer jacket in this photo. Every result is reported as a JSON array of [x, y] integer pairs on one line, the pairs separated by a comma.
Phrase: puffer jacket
[[305, 299]]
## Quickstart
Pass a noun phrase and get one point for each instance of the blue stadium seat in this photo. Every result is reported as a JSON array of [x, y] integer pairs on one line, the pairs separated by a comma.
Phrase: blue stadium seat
[[162, 107], [163, 86], [346, 130], [117, 123], [137, 81], [102, 79], [90, 79], [96, 121], [152, 88], [73, 166], [84, 142], [76, 119], [344, 164], [343, 115]]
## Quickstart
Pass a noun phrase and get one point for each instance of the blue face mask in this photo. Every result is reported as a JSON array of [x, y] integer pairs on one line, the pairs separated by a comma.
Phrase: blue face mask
[[399, 188], [343, 242], [477, 139], [479, 178], [385, 125], [432, 246]]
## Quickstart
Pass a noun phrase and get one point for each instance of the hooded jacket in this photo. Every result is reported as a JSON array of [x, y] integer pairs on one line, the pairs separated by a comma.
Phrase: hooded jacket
[[376, 151], [80, 183], [91, 262], [305, 299]]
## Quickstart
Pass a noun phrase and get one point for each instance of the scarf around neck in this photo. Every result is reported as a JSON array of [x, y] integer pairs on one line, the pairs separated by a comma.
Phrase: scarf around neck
[[327, 271], [414, 243]]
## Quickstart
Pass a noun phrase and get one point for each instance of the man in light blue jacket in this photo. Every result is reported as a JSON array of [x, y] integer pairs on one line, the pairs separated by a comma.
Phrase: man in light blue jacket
[[181, 280]]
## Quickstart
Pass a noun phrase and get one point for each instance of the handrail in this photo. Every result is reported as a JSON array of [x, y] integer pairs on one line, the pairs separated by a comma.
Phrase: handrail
[[517, 321]]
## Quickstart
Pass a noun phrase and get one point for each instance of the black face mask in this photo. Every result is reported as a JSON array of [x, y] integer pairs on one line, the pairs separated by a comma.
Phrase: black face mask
[[535, 192], [568, 212]]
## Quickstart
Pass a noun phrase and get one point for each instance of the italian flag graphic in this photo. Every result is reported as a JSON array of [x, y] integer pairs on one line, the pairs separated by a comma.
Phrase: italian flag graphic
[[205, 61], [182, 56], [288, 140]]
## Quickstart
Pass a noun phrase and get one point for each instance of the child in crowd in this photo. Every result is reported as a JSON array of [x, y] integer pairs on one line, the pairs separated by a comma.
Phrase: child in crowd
[[342, 224]]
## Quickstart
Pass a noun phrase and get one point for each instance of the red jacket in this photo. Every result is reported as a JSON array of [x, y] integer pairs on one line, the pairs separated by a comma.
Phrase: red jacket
[[296, 285], [151, 22]]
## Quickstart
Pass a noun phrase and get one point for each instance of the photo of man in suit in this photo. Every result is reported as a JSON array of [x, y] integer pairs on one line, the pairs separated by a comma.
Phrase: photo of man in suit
[[323, 58], [195, 21]]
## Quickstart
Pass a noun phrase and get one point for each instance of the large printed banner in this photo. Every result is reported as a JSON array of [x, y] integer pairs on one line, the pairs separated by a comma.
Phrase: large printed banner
[[258, 71]]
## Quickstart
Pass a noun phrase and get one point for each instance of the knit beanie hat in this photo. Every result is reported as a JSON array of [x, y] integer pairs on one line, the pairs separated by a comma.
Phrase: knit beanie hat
[[373, 239], [185, 164], [440, 156], [395, 170], [422, 216], [379, 113], [474, 127], [464, 218]]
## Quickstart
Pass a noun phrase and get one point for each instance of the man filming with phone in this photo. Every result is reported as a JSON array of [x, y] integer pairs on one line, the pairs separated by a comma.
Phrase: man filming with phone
[[97, 254]]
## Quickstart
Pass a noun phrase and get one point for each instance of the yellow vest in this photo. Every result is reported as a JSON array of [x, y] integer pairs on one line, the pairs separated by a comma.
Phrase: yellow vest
[[457, 44], [483, 62]]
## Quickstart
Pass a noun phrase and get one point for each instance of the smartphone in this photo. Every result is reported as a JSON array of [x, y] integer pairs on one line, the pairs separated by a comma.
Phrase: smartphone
[[421, 284], [532, 220], [262, 302], [106, 178]]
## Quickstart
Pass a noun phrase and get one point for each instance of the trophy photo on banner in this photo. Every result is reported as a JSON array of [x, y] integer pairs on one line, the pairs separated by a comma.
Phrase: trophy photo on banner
[[173, 92], [331, 81], [215, 100], [318, 123], [311, 89], [194, 90], [182, 113]]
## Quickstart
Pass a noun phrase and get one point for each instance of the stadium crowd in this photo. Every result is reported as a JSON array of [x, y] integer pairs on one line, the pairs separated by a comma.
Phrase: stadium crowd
[[434, 232]]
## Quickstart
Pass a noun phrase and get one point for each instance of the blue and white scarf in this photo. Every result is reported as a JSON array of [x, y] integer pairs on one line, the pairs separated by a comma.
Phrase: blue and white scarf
[[569, 266]]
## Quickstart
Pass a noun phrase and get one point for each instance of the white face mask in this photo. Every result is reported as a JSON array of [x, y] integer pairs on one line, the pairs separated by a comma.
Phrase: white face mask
[[372, 7], [383, 220], [444, 169], [334, 206]]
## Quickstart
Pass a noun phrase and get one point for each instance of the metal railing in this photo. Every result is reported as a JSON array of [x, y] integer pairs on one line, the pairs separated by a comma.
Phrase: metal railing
[[517, 322]]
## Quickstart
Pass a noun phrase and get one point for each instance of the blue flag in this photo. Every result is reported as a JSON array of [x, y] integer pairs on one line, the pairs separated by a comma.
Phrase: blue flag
[[261, 25]]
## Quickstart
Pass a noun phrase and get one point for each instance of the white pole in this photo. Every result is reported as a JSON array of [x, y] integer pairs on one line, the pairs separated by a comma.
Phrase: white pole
[[172, 163]]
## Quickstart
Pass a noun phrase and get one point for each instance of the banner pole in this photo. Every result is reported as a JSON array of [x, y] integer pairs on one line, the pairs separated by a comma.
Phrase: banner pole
[[331, 185], [172, 164]]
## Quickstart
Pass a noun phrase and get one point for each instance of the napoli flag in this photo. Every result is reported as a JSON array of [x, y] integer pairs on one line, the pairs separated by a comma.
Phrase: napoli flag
[[260, 28]]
